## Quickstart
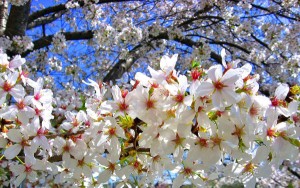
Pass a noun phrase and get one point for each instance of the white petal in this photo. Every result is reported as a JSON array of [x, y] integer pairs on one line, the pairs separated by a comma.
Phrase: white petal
[[204, 89], [17, 92], [17, 169], [16, 62], [15, 135], [230, 77], [104, 176], [12, 151], [116, 92], [282, 91], [215, 72], [19, 179], [3, 142]]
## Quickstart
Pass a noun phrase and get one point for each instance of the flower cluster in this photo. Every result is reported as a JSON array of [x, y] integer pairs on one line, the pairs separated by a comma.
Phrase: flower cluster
[[59, 43], [211, 123], [18, 43], [18, 2]]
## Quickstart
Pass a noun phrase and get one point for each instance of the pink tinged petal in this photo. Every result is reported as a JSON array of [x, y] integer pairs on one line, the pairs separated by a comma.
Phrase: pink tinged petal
[[19, 179], [230, 77], [15, 135], [104, 176], [215, 73], [12, 151], [206, 88], [16, 62], [17, 92], [282, 91]]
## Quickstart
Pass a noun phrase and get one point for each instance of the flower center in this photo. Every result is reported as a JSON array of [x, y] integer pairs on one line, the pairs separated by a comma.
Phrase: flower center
[[7, 86], [195, 74], [112, 131], [253, 111], [202, 142], [219, 85], [271, 133], [37, 96], [187, 171], [21, 105], [149, 104], [123, 106], [179, 98], [28, 169], [275, 102]]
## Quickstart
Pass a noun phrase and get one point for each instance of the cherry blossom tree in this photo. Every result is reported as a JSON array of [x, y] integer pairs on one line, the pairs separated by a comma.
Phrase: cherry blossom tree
[[205, 90]]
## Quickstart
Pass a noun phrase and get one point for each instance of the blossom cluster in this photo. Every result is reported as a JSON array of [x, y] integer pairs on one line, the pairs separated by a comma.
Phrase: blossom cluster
[[208, 124], [18, 44]]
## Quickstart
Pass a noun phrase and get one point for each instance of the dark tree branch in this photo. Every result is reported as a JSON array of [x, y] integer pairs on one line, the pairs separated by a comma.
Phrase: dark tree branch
[[231, 44], [45, 20], [62, 7], [278, 13], [123, 65], [46, 41], [260, 42]]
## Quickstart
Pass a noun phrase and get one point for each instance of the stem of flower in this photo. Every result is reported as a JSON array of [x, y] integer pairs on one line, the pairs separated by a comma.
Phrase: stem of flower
[[20, 160]]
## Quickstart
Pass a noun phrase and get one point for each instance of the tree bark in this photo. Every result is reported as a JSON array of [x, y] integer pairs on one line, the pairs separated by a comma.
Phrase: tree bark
[[3, 16], [17, 20]]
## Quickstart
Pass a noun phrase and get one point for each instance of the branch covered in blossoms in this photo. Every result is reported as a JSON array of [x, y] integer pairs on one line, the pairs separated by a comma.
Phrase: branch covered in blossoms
[[207, 124]]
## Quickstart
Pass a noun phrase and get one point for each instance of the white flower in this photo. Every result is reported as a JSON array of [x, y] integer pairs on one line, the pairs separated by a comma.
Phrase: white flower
[[21, 142], [221, 86]]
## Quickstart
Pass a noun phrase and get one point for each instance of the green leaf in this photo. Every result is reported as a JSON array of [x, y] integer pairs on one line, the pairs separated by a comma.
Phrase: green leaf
[[195, 64]]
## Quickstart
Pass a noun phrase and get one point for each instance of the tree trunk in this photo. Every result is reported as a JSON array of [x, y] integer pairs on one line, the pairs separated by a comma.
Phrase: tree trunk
[[3, 16], [17, 20]]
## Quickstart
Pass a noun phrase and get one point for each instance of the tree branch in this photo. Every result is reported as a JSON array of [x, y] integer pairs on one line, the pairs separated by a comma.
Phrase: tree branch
[[62, 7], [45, 20], [46, 41]]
